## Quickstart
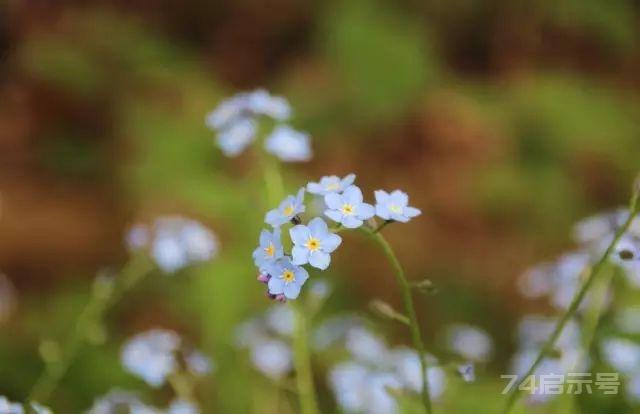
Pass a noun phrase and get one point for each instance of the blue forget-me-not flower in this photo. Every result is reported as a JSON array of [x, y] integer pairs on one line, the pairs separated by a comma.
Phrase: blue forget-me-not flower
[[394, 206], [289, 144], [238, 136], [8, 407], [286, 278], [287, 210], [180, 242], [313, 243], [269, 250], [150, 355], [330, 184], [235, 118], [182, 407], [348, 208]]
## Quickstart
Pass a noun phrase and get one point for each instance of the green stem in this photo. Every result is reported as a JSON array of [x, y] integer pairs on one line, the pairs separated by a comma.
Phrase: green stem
[[407, 298], [273, 181], [575, 303], [302, 363], [301, 354], [91, 316], [182, 386], [597, 302]]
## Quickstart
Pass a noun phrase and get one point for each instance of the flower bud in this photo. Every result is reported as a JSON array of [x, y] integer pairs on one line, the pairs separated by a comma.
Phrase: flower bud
[[281, 298], [263, 278], [426, 286], [295, 220], [466, 372], [385, 310]]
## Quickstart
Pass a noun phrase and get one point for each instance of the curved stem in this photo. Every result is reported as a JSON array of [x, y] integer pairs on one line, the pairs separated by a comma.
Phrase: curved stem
[[92, 315], [575, 303], [407, 298], [302, 363]]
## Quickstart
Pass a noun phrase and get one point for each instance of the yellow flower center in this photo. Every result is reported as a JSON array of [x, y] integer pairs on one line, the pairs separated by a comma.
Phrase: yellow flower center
[[332, 187], [347, 209], [288, 276], [270, 250], [395, 209], [288, 210], [313, 244]]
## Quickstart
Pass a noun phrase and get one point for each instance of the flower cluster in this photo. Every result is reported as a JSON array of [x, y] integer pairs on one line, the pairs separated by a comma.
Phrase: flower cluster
[[156, 354], [366, 382], [118, 401], [236, 122], [314, 242], [470, 342], [267, 339], [174, 242], [560, 280], [532, 333], [7, 407]]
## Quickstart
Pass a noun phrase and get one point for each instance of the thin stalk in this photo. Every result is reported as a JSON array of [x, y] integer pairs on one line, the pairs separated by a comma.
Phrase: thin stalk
[[91, 316], [598, 300], [575, 302], [302, 363], [273, 181], [407, 298], [301, 353]]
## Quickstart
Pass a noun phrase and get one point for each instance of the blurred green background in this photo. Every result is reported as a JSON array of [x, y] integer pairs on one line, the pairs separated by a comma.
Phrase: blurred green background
[[505, 121]]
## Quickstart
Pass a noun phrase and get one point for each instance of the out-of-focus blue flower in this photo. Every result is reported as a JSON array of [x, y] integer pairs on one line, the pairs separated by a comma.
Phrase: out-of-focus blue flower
[[406, 365], [280, 318], [534, 330], [621, 354], [137, 237], [235, 118], [150, 355], [348, 208], [348, 381], [470, 342], [334, 329], [7, 407], [394, 206], [536, 282], [313, 243], [40, 409], [198, 363], [286, 278], [381, 401], [466, 372], [117, 401], [182, 407], [633, 388], [248, 105], [249, 333], [263, 103], [180, 242], [330, 184], [320, 289], [560, 279], [287, 210], [269, 250], [289, 144], [272, 357], [365, 346], [233, 140]]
